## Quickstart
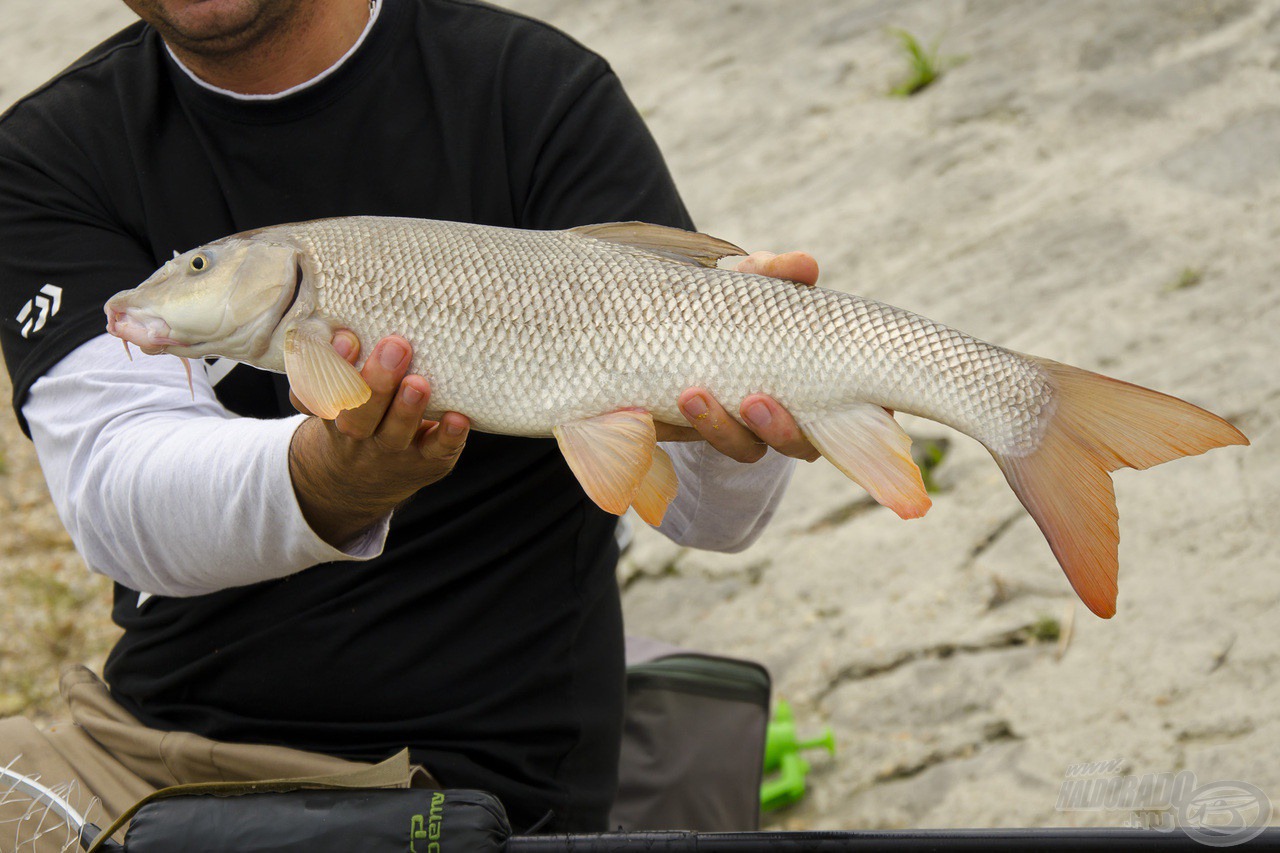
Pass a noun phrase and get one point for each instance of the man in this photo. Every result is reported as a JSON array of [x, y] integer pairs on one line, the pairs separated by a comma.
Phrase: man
[[482, 628]]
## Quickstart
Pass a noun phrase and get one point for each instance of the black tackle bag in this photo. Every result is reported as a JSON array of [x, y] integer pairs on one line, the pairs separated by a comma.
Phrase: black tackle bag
[[386, 820], [692, 741]]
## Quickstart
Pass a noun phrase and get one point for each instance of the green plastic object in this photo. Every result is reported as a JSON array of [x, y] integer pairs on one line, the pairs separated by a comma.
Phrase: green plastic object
[[782, 757]]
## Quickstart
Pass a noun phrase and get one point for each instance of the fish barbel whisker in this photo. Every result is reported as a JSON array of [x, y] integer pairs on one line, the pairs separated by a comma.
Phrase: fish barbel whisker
[[186, 365]]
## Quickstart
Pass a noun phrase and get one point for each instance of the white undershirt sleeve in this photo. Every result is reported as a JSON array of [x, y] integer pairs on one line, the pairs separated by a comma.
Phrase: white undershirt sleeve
[[178, 497], [166, 494], [722, 504]]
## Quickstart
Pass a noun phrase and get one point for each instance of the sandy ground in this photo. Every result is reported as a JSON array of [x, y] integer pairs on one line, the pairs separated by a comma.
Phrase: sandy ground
[[1094, 182]]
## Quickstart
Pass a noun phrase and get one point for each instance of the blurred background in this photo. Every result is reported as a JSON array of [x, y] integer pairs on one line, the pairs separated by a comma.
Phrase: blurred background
[[1093, 182]]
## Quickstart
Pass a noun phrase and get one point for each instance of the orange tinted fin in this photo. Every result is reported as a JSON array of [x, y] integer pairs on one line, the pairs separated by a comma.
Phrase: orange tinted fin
[[866, 443], [674, 244], [1097, 425], [657, 490], [324, 381], [610, 455]]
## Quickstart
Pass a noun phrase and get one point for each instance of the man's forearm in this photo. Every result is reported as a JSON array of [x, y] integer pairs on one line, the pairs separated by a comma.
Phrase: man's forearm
[[165, 494], [354, 470]]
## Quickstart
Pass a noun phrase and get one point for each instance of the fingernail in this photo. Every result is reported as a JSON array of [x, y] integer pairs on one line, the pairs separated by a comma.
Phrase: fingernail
[[390, 356], [453, 428], [758, 415], [344, 345], [696, 407], [410, 395]]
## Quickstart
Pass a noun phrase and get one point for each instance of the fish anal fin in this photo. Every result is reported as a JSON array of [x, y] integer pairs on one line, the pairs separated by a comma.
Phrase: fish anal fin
[[325, 382], [657, 489], [868, 445], [610, 455], [673, 244]]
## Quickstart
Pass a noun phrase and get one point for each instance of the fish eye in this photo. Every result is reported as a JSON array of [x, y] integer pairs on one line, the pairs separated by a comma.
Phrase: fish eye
[[199, 263]]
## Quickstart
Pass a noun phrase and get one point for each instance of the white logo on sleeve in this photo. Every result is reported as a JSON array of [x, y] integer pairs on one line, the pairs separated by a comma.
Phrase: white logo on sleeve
[[45, 304]]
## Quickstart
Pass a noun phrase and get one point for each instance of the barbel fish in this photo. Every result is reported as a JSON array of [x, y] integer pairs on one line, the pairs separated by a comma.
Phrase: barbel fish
[[592, 333]]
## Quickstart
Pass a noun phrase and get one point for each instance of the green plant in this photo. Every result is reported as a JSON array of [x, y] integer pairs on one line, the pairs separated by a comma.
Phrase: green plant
[[1189, 277], [928, 454], [1046, 629], [924, 65]]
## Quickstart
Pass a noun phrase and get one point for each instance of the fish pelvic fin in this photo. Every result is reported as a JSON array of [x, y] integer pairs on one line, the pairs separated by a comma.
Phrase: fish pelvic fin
[[657, 489], [870, 448], [325, 382], [1099, 425], [610, 455]]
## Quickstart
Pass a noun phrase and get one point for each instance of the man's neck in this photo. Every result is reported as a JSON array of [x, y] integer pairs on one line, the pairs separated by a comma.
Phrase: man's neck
[[286, 55]]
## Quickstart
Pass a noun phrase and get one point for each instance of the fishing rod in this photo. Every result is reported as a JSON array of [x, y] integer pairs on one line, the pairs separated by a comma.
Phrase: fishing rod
[[459, 821], [1051, 840]]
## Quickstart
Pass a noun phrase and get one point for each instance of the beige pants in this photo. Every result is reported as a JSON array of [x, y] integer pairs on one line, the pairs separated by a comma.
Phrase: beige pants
[[105, 760]]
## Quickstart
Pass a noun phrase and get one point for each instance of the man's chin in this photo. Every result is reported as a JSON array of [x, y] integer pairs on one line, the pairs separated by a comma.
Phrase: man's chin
[[211, 27]]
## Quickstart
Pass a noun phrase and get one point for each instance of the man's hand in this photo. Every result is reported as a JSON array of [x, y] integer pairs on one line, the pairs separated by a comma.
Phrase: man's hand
[[770, 424], [350, 472]]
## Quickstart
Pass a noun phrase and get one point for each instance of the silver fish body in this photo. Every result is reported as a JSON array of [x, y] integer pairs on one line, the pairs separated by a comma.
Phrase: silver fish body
[[524, 330], [565, 333]]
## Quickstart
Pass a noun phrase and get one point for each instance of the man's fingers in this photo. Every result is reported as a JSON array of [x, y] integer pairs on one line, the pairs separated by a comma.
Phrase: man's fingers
[[383, 370], [799, 267], [443, 442], [775, 425], [769, 424], [347, 344], [720, 430], [671, 432], [404, 416]]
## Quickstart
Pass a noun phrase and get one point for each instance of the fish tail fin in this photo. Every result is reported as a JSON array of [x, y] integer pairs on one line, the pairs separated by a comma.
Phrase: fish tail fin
[[1098, 425]]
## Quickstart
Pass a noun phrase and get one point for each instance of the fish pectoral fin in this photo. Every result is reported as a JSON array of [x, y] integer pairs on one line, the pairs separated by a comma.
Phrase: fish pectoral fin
[[869, 446], [657, 489], [610, 455], [324, 381], [672, 244]]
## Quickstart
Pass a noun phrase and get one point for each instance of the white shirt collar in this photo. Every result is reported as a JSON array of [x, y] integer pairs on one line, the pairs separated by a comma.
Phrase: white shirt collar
[[375, 6]]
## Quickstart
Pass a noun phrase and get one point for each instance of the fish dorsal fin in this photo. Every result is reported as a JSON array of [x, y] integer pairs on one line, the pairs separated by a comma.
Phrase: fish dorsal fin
[[610, 455], [868, 445], [674, 244], [657, 489], [324, 381]]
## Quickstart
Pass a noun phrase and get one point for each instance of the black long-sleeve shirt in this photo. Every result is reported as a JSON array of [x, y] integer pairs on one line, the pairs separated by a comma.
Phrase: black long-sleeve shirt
[[487, 637]]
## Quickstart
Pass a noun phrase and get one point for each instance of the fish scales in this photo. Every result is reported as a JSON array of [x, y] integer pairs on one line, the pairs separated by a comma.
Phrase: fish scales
[[493, 313], [592, 334]]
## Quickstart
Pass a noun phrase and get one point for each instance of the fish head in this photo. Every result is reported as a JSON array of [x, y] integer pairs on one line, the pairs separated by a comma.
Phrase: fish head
[[225, 298]]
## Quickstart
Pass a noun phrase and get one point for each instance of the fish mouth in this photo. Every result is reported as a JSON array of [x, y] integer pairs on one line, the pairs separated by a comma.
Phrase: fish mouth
[[149, 333]]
